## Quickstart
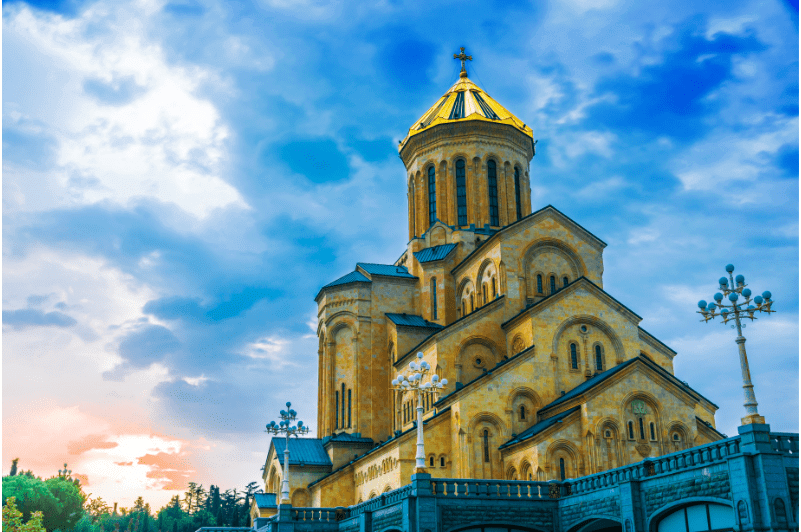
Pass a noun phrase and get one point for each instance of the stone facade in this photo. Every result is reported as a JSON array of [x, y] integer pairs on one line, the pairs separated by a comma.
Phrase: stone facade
[[550, 377]]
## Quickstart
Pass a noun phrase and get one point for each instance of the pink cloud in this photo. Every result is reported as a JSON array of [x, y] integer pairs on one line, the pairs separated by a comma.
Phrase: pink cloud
[[173, 469], [89, 442]]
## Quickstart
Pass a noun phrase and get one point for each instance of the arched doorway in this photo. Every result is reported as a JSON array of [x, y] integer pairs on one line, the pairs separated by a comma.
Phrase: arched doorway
[[699, 516], [598, 524]]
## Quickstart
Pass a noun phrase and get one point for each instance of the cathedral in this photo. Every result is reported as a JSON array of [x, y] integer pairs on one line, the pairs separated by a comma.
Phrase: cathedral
[[549, 377]]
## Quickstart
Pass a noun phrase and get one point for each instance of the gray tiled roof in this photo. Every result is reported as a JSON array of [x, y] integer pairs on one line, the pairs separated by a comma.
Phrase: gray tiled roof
[[308, 451], [434, 253], [346, 436], [389, 270], [539, 427], [411, 320], [352, 277], [265, 500]]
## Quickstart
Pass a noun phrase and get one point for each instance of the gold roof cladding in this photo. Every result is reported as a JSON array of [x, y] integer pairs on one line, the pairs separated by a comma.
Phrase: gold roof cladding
[[442, 111]]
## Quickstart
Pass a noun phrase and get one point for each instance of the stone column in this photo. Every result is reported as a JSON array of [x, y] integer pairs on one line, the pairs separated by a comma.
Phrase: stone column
[[410, 198]]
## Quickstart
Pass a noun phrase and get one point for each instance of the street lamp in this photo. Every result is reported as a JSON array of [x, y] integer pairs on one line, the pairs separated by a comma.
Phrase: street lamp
[[414, 383], [732, 289], [285, 427]]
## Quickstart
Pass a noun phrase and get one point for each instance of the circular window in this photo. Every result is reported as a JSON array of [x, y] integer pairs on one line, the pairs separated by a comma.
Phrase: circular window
[[608, 434], [478, 362], [584, 328]]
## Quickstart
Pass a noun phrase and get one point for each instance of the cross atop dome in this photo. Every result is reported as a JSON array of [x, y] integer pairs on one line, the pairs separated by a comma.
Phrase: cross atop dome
[[461, 55]]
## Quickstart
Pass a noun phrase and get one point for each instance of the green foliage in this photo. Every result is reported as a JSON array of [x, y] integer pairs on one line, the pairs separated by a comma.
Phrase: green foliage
[[14, 463], [70, 508], [31, 494], [13, 521]]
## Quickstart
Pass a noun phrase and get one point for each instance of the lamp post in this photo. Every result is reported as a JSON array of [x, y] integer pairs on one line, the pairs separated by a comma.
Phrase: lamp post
[[285, 427], [414, 383], [732, 288]]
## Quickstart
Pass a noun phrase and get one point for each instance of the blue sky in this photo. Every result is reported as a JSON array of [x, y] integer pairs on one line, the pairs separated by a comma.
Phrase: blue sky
[[180, 178]]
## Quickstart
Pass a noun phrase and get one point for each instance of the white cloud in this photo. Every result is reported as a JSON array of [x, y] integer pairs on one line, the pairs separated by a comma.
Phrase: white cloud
[[146, 131]]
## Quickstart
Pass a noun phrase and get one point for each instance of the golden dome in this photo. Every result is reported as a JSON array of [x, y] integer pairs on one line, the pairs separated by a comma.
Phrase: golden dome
[[465, 101]]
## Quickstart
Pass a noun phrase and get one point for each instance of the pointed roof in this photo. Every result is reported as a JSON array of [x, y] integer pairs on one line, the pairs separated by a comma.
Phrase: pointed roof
[[539, 427], [466, 101]]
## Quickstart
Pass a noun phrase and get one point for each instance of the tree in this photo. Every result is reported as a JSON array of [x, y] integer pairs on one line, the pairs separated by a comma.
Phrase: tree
[[71, 500], [31, 495], [12, 519], [96, 508], [14, 463]]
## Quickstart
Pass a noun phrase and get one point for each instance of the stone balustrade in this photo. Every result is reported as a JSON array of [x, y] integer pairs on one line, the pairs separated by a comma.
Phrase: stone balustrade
[[784, 442], [501, 489]]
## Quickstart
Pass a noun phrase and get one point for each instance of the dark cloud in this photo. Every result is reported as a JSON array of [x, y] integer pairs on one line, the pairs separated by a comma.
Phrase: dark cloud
[[22, 318], [149, 344]]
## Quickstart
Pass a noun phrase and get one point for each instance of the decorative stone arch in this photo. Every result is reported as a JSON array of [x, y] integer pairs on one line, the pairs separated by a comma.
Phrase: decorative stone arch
[[654, 415], [372, 495], [608, 437], [486, 458], [571, 256], [486, 273], [511, 473], [563, 449], [526, 471], [301, 498], [522, 391], [602, 326], [466, 287], [387, 488], [273, 481], [501, 277], [468, 366], [680, 429], [659, 514]]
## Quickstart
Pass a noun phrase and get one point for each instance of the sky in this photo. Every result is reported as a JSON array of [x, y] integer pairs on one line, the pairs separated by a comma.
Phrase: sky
[[180, 178]]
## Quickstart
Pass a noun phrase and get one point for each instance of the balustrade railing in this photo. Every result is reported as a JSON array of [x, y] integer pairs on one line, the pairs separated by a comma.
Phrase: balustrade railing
[[784, 442], [314, 514], [501, 489], [670, 463]]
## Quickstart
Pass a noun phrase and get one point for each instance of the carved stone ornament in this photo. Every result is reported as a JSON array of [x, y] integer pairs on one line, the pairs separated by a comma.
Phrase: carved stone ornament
[[644, 449], [638, 407]]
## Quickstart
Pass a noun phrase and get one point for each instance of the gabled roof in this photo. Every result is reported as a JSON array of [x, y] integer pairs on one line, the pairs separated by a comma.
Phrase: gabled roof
[[265, 500], [539, 427], [601, 377], [434, 253], [410, 320], [352, 277], [306, 451], [534, 214], [453, 324], [388, 270], [560, 292], [709, 426]]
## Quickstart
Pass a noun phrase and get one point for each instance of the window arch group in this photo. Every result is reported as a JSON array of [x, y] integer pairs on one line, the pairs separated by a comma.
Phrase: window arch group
[[432, 196], [492, 186], [343, 403]]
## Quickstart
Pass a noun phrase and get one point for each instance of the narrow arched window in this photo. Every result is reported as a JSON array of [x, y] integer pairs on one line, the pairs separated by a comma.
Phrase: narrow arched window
[[517, 193], [494, 288], [653, 431], [336, 410], [343, 405], [642, 430], [433, 298], [631, 430], [431, 461], [522, 412], [675, 436], [484, 291], [492, 182], [599, 359], [463, 308], [486, 445], [539, 283], [553, 284], [441, 461], [573, 356], [349, 403], [565, 281], [562, 468], [461, 193], [432, 196], [472, 303]]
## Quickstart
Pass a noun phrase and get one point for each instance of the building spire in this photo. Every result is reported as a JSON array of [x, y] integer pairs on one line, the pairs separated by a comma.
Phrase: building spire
[[461, 55]]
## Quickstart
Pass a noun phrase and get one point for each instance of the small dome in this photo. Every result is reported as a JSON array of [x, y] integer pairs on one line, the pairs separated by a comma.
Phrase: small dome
[[465, 101]]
